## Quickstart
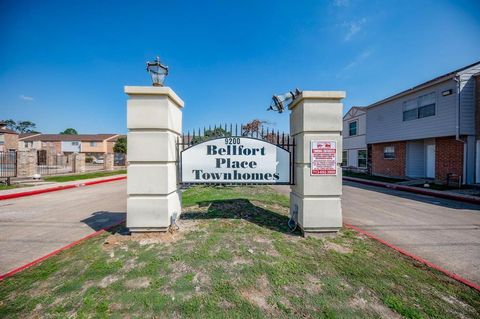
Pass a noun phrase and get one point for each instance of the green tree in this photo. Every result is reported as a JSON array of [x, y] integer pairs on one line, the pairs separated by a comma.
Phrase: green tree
[[120, 145], [211, 134], [25, 127], [11, 124], [69, 131]]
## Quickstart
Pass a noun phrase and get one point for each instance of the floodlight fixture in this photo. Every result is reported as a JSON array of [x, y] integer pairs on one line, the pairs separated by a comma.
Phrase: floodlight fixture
[[282, 101]]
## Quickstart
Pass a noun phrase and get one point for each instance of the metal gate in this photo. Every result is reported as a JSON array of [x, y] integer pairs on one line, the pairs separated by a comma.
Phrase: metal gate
[[49, 164], [8, 164], [282, 140]]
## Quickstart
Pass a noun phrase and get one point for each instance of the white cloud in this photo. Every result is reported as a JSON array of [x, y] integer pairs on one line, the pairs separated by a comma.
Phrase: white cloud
[[26, 98], [353, 27], [341, 3], [359, 59]]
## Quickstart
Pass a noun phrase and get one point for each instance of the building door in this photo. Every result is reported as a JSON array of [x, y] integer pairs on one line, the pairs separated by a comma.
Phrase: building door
[[430, 160], [477, 161], [416, 159]]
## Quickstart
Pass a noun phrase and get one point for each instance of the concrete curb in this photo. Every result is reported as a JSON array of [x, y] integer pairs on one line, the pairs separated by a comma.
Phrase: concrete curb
[[58, 188], [56, 252], [416, 190], [417, 258]]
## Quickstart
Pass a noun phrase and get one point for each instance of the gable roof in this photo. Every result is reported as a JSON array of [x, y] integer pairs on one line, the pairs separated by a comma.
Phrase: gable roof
[[69, 137], [355, 108], [7, 131], [24, 135], [426, 84]]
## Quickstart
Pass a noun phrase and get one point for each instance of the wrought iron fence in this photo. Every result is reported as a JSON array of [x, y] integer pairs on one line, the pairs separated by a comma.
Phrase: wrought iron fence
[[48, 164], [280, 139], [94, 163], [119, 159], [8, 164]]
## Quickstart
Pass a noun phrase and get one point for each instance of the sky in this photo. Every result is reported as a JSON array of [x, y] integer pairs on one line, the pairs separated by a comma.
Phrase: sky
[[64, 63]]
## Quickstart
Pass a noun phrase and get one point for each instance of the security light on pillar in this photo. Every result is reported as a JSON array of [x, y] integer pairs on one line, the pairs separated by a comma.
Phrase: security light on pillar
[[157, 71], [281, 102]]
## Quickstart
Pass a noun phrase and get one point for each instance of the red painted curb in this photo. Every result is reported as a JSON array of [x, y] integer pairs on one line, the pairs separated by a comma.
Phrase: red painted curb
[[416, 191], [417, 258], [58, 188], [55, 252]]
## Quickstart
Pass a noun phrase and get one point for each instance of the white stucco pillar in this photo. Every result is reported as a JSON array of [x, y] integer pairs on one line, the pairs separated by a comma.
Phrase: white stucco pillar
[[316, 116], [154, 121]]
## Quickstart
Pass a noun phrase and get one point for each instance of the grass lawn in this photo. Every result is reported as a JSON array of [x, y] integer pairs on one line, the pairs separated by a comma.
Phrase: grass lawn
[[233, 258], [69, 178], [4, 187], [372, 177]]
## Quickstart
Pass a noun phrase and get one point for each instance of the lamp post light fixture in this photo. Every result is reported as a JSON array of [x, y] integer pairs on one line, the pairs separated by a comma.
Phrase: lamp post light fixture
[[157, 71]]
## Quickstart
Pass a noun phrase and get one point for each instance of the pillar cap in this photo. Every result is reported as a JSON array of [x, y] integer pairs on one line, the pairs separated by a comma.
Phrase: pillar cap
[[154, 90], [318, 95]]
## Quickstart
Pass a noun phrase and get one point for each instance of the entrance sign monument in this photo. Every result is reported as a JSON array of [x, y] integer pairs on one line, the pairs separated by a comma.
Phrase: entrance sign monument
[[235, 160], [158, 163]]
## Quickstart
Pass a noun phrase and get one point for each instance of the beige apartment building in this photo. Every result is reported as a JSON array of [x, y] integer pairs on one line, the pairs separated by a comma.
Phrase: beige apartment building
[[94, 145], [8, 139]]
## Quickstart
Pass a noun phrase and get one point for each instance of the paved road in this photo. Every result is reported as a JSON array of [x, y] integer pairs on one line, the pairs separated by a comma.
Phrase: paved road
[[441, 231], [31, 227]]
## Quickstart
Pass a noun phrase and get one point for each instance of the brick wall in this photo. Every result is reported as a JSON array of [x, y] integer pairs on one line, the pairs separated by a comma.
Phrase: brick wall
[[11, 141], [448, 157], [389, 167]]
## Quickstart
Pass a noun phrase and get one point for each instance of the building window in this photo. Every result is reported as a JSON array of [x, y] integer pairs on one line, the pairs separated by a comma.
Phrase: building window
[[352, 128], [27, 145], [389, 152], [93, 144], [423, 106], [362, 158], [75, 143], [345, 158]]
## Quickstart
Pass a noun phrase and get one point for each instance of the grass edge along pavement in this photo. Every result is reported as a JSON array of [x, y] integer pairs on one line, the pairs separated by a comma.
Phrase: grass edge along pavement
[[244, 264], [75, 177]]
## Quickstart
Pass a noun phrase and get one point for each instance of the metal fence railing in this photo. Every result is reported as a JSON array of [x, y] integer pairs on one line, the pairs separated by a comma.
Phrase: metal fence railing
[[119, 159], [8, 164], [53, 164]]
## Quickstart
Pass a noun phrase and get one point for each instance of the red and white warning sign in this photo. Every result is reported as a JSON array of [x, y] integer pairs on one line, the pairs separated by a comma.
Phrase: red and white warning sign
[[323, 157]]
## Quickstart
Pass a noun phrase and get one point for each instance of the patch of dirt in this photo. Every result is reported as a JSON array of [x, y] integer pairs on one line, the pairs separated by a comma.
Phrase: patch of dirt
[[201, 281], [107, 281], [259, 295], [137, 283], [312, 284], [149, 238], [373, 303], [338, 248], [225, 305], [454, 301]]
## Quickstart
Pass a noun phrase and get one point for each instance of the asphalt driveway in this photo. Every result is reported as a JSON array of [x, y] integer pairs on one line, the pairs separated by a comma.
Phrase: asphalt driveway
[[31, 227], [441, 231]]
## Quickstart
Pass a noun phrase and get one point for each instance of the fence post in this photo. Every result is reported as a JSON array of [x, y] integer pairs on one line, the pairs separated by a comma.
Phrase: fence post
[[26, 163], [79, 163], [315, 197], [108, 161], [154, 121]]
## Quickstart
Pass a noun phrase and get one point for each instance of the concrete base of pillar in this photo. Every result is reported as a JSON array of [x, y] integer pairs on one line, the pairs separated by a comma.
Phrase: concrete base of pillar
[[136, 231], [320, 233]]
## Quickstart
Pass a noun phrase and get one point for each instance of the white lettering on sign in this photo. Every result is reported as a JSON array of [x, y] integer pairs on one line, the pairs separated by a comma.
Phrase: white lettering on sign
[[235, 160], [323, 158]]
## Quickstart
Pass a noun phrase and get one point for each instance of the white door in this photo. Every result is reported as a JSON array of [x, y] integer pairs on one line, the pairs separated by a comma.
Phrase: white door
[[430, 160]]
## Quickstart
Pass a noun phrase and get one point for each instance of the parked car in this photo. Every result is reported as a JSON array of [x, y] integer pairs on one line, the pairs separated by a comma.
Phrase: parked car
[[98, 160]]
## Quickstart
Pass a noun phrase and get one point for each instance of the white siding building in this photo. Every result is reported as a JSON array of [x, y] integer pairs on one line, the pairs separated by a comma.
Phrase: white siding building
[[354, 139]]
